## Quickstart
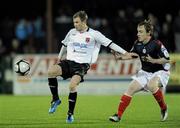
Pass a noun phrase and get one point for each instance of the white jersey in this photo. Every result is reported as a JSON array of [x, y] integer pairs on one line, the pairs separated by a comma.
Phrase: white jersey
[[84, 47]]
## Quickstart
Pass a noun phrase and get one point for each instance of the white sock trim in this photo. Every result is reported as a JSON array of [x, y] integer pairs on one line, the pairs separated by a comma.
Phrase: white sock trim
[[127, 95], [73, 91]]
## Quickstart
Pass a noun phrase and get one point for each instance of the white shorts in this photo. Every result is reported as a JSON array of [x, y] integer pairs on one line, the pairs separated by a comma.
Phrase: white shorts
[[144, 77]]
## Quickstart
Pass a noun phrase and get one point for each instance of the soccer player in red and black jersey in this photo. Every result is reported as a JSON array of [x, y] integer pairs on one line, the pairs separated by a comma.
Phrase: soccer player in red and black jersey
[[154, 73]]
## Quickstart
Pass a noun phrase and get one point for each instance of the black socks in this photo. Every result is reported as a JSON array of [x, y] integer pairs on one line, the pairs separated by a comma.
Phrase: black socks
[[53, 85], [72, 101]]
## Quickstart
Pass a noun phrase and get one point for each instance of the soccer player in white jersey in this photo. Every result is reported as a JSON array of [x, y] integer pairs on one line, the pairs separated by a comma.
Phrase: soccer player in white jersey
[[82, 45]]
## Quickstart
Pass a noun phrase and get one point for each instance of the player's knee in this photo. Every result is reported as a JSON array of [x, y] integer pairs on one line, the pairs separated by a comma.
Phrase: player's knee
[[52, 71], [152, 87], [74, 82], [153, 84], [131, 90], [72, 87]]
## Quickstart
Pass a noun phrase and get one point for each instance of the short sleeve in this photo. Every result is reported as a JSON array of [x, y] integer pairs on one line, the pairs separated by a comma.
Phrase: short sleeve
[[133, 49], [162, 50], [66, 39]]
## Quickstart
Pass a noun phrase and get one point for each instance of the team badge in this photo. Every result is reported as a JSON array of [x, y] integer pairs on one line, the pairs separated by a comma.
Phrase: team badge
[[144, 50], [87, 39]]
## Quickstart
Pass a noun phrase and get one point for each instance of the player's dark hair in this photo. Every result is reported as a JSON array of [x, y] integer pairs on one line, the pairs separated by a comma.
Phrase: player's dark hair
[[82, 15], [148, 26]]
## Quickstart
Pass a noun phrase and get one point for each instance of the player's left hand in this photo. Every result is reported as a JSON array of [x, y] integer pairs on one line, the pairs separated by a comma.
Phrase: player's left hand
[[116, 54], [150, 59], [125, 56]]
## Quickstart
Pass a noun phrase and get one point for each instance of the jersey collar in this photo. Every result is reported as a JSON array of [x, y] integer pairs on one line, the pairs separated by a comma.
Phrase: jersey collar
[[85, 31]]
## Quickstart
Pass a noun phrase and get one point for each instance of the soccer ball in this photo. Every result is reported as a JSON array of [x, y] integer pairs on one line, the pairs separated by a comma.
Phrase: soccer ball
[[22, 67]]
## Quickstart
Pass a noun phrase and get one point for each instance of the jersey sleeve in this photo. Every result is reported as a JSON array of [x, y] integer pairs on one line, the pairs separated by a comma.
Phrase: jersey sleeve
[[66, 39], [100, 38], [162, 50], [133, 47]]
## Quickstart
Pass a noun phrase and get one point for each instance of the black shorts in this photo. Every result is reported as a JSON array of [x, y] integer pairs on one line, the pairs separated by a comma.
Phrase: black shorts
[[71, 68]]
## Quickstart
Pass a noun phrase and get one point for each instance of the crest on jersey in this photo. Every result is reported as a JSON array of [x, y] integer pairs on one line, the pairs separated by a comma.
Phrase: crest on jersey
[[144, 50], [87, 39]]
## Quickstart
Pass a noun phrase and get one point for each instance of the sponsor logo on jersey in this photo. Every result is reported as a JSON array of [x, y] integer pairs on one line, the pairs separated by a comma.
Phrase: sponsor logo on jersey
[[81, 45], [87, 39]]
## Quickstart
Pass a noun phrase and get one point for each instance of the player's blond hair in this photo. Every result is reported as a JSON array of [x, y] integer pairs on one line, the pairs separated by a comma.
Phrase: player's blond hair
[[148, 26], [82, 15]]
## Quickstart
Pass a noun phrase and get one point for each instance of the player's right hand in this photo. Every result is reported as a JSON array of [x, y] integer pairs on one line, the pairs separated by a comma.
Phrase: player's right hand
[[116, 54]]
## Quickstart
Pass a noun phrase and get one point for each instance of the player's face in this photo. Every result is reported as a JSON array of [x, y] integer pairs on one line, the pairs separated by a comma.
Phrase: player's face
[[142, 34], [78, 24]]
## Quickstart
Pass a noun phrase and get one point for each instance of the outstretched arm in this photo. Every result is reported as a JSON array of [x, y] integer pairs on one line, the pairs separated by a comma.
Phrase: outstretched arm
[[117, 48], [121, 54], [125, 56]]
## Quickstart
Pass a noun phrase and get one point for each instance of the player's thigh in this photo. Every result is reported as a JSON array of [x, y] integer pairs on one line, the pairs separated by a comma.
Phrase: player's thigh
[[54, 71], [134, 87], [153, 84], [74, 82]]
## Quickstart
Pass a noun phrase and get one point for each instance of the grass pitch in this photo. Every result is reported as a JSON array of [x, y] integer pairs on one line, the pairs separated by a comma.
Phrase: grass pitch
[[90, 112]]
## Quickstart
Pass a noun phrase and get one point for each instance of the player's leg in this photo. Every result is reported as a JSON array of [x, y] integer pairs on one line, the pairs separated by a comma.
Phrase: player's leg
[[154, 87], [53, 72], [72, 97], [125, 100]]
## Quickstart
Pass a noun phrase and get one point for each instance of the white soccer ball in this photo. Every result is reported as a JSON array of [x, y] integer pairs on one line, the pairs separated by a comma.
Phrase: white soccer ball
[[22, 67]]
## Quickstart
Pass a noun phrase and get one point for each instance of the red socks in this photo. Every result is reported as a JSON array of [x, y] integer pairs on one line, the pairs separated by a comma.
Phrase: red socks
[[160, 99], [125, 100]]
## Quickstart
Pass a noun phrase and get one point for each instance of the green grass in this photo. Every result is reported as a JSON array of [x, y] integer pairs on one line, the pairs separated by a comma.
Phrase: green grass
[[91, 112]]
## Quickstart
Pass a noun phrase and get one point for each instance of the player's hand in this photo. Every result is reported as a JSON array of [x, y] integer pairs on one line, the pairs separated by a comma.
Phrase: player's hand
[[113, 52], [148, 58], [117, 56], [173, 65], [129, 55], [132, 55], [125, 56]]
